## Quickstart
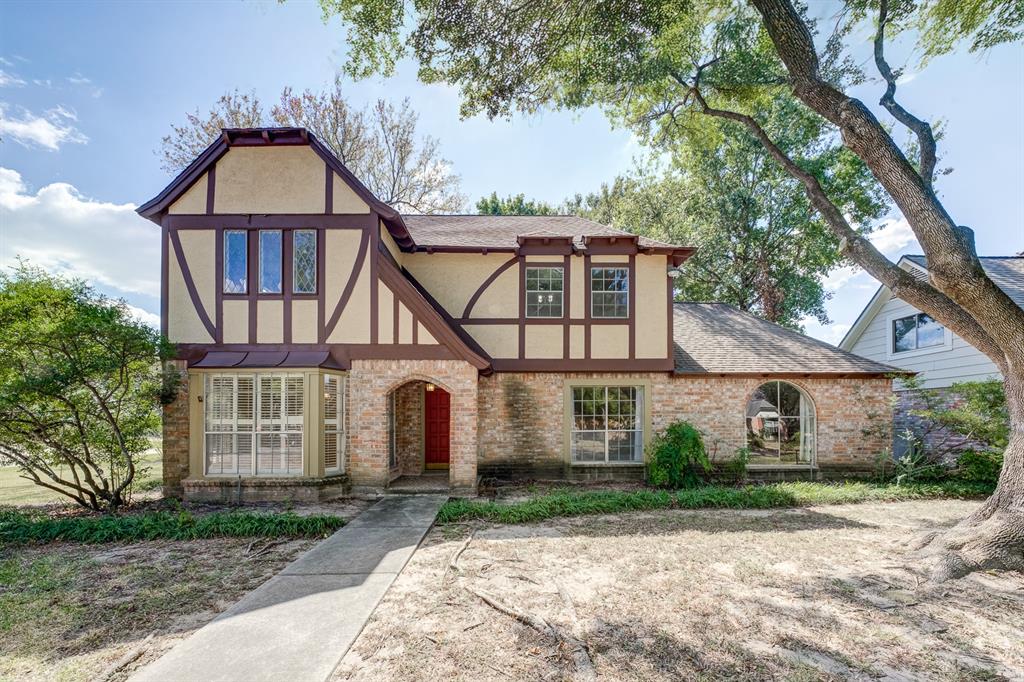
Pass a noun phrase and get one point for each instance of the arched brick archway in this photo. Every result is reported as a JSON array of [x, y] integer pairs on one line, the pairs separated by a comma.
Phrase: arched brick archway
[[373, 383]]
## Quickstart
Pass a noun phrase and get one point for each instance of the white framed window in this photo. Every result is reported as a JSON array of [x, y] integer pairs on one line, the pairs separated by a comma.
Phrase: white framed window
[[780, 422], [609, 292], [544, 291], [915, 334], [270, 261], [334, 423], [254, 424], [607, 424]]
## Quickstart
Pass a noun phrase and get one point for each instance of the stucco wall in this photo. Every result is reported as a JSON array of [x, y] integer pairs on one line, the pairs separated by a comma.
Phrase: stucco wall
[[522, 417]]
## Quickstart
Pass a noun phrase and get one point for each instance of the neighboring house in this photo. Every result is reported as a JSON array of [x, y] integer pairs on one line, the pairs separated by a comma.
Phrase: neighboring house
[[332, 343], [891, 331]]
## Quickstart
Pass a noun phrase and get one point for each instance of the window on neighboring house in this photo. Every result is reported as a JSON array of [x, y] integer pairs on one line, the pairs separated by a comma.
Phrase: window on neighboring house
[[916, 331], [304, 261], [609, 292], [544, 287], [334, 422], [254, 424], [780, 425], [607, 424], [236, 261], [270, 261]]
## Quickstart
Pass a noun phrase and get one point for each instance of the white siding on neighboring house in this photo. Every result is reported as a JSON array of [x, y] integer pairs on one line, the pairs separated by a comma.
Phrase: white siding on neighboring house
[[941, 366]]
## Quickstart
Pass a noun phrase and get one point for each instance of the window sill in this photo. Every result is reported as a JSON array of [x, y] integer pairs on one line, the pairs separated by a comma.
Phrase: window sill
[[607, 464], [777, 467]]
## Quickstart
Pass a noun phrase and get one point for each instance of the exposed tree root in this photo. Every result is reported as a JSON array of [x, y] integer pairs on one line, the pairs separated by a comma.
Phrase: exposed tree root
[[453, 560], [580, 655], [991, 538]]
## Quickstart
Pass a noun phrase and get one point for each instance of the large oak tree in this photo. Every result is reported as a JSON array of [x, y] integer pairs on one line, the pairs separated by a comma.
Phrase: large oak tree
[[651, 61]]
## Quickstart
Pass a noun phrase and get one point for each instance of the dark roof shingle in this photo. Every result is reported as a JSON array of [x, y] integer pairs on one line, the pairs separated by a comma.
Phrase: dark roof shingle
[[716, 338], [1006, 271]]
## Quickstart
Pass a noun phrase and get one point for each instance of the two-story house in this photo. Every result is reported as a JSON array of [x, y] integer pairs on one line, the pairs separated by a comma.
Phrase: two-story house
[[890, 330], [328, 343]]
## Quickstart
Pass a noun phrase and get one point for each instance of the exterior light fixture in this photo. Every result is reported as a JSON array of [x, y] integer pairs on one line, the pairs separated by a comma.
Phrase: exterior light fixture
[[675, 273], [430, 387]]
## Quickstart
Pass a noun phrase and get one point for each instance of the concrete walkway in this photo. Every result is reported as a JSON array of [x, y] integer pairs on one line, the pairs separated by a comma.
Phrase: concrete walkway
[[299, 624]]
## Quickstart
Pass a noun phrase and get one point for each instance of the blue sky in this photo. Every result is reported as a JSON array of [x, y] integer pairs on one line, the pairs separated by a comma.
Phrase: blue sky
[[88, 90]]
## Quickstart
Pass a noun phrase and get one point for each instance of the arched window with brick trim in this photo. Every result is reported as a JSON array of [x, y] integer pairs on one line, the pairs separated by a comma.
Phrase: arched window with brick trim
[[780, 422]]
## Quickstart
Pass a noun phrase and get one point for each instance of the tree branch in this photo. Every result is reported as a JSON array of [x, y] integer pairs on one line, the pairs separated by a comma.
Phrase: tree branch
[[860, 250], [923, 130]]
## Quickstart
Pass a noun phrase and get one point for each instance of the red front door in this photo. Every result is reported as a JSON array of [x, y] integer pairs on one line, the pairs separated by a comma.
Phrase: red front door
[[437, 429]]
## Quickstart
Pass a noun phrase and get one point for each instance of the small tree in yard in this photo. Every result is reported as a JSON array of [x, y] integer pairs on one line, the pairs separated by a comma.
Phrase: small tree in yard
[[658, 66], [80, 387]]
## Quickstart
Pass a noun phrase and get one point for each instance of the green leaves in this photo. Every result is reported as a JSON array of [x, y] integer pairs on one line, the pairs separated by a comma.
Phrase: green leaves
[[676, 457], [80, 386]]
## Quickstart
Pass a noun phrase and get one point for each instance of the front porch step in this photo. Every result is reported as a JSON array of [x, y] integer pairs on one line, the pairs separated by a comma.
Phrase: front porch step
[[429, 483]]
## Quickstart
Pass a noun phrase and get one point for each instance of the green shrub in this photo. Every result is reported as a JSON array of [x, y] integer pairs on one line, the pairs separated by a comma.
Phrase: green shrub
[[915, 466], [18, 526], [736, 468], [564, 503], [980, 467], [677, 458]]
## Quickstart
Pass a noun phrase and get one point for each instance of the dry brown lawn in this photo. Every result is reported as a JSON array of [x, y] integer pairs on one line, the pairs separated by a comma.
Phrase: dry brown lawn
[[806, 594]]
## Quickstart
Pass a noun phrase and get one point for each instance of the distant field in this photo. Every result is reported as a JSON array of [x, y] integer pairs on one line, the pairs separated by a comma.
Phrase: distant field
[[15, 490]]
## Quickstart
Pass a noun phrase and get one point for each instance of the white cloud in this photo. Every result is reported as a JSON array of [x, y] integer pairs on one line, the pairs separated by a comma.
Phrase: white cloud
[[906, 77], [79, 80], [54, 128], [145, 317], [9, 80], [894, 235], [60, 230]]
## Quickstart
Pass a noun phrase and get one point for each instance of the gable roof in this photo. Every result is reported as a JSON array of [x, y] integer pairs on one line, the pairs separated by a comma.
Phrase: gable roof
[[716, 338], [1007, 272]]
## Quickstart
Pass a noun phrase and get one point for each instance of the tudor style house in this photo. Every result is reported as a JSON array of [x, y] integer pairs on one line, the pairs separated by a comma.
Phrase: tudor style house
[[329, 343]]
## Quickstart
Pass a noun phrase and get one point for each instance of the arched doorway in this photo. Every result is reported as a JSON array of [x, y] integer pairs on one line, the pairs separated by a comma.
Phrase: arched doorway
[[418, 431]]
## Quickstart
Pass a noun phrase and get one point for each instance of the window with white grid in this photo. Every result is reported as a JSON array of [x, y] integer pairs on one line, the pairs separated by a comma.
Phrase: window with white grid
[[334, 423], [544, 292], [607, 424], [254, 424], [609, 292]]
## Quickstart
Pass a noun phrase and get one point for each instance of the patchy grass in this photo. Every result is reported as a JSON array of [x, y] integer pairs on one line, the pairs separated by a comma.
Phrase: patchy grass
[[22, 527], [69, 611], [568, 502], [814, 593], [17, 491]]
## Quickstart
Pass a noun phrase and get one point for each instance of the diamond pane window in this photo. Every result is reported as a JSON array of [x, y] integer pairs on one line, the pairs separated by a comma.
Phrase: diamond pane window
[[544, 292], [609, 292], [304, 262]]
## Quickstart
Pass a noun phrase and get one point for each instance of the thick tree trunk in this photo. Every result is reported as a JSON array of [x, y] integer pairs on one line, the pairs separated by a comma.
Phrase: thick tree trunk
[[992, 537]]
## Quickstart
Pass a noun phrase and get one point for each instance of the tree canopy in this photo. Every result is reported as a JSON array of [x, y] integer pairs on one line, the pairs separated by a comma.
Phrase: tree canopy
[[513, 205], [80, 387], [379, 144]]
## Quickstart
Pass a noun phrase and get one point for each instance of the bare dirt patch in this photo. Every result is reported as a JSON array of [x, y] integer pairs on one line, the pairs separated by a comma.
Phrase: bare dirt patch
[[819, 593]]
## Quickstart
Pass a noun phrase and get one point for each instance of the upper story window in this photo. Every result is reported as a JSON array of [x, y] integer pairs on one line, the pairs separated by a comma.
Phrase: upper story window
[[270, 261], [236, 265], [916, 331], [304, 262], [544, 292], [609, 292]]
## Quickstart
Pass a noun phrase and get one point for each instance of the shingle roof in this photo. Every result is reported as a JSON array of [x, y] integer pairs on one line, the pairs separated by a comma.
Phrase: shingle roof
[[716, 338], [1006, 271], [501, 231]]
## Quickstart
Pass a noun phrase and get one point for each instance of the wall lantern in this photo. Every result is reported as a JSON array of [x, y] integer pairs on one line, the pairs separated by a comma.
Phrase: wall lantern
[[430, 387]]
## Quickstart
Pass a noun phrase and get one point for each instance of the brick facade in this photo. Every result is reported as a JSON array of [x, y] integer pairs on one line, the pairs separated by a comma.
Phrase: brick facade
[[514, 423], [522, 418], [176, 436], [370, 381]]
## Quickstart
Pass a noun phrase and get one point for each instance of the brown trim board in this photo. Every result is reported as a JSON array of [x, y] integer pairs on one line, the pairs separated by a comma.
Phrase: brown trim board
[[486, 283], [190, 285]]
